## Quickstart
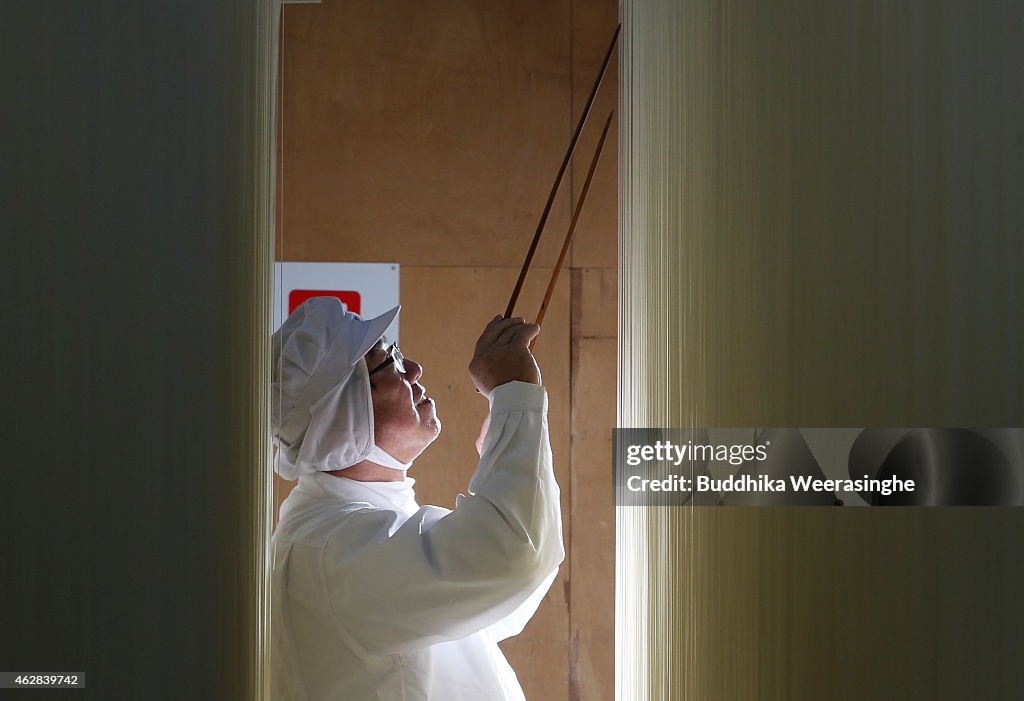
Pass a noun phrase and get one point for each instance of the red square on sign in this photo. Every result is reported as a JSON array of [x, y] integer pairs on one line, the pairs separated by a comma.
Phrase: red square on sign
[[349, 298]]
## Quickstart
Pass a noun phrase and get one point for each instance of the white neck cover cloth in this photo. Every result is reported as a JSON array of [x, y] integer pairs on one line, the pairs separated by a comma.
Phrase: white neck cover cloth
[[379, 456], [322, 406]]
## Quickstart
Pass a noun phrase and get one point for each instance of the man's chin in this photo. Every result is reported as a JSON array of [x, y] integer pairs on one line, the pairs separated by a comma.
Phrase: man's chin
[[427, 408], [435, 424]]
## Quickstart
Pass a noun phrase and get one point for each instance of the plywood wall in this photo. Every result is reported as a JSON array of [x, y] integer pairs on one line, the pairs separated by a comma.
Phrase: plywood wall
[[428, 134]]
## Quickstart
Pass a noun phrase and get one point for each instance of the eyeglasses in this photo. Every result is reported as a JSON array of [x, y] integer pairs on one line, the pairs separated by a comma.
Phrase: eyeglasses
[[394, 356]]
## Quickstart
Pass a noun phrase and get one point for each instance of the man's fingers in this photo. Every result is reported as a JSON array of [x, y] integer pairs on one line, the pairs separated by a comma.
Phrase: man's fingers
[[491, 331], [525, 334], [496, 328], [502, 354], [508, 333]]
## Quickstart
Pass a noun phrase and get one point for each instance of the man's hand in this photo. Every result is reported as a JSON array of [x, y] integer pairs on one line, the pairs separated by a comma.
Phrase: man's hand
[[503, 354]]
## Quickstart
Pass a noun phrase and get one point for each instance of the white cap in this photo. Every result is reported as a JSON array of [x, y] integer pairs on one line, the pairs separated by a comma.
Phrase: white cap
[[322, 408]]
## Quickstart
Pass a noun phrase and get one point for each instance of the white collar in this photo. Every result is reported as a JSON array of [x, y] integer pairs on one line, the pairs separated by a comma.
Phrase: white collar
[[394, 496]]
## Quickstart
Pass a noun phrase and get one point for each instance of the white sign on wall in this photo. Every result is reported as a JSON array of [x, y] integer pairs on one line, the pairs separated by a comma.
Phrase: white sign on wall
[[368, 289]]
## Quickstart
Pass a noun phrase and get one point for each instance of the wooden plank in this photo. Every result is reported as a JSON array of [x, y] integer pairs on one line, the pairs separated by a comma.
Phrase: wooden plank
[[592, 523], [598, 304], [423, 134], [541, 675]]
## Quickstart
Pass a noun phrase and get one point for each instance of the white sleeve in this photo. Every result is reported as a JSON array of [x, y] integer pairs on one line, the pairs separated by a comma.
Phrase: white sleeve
[[514, 623], [431, 582]]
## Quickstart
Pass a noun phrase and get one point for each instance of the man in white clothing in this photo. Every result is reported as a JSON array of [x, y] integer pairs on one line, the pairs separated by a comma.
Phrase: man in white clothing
[[374, 596]]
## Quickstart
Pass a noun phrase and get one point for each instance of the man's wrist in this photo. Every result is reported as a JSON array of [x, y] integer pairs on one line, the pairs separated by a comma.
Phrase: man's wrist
[[518, 396]]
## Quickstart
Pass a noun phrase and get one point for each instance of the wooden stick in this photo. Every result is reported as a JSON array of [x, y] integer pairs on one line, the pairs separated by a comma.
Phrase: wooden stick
[[572, 224], [558, 178]]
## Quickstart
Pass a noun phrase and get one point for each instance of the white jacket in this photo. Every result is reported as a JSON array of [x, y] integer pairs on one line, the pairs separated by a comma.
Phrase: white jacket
[[375, 597]]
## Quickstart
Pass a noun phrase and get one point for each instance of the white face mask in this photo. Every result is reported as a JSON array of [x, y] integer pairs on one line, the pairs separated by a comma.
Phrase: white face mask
[[379, 456]]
